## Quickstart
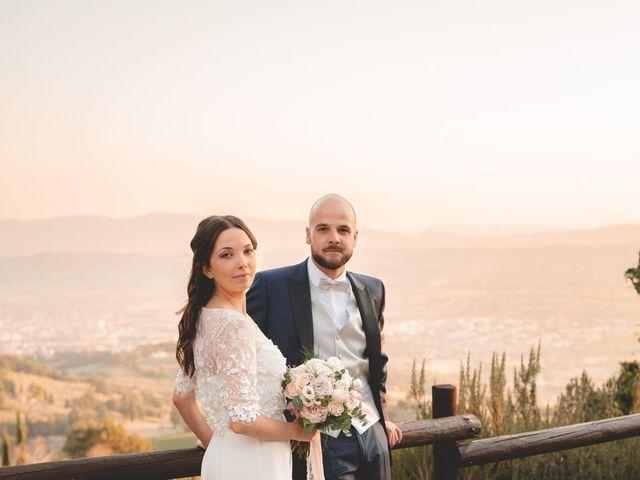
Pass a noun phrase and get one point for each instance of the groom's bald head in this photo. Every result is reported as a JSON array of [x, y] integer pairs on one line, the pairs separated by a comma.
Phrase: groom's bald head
[[332, 202]]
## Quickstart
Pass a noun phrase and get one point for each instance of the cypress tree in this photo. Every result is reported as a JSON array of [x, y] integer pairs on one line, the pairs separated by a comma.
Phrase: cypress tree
[[6, 448], [21, 437]]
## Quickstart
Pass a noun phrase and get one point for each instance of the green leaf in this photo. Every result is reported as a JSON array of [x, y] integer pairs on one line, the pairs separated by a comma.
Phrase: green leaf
[[308, 427]]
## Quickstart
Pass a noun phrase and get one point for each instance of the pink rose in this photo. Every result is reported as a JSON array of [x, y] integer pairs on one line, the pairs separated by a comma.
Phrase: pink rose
[[322, 385], [315, 413], [292, 390], [335, 408], [352, 402], [301, 380]]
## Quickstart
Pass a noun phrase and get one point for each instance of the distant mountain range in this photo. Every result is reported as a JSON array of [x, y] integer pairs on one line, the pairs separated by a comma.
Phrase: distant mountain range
[[171, 233]]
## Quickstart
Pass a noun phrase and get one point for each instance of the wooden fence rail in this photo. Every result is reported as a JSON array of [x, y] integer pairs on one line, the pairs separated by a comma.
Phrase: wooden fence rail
[[448, 459], [144, 466], [186, 462], [442, 433], [508, 447]]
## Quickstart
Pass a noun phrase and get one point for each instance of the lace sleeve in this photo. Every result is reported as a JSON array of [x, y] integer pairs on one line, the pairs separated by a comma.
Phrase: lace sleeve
[[185, 385], [235, 355]]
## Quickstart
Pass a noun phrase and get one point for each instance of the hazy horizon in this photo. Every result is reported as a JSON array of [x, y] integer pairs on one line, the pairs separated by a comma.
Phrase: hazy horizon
[[445, 227], [420, 113]]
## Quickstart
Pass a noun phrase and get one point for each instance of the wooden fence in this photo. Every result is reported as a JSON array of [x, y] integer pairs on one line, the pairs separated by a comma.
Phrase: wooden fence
[[443, 432]]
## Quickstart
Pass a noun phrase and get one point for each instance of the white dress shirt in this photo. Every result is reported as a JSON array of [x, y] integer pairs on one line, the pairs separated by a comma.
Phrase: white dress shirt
[[338, 332]]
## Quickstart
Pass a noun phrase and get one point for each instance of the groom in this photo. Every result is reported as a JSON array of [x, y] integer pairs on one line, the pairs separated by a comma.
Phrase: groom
[[319, 306]]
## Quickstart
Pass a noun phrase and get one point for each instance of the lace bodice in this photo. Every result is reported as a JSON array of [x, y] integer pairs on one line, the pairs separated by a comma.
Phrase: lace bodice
[[238, 372]]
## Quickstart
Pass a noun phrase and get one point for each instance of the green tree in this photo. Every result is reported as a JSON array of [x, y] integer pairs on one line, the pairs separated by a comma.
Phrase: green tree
[[510, 408], [471, 391], [497, 402], [525, 391], [633, 275], [106, 436], [582, 402], [86, 407], [418, 392], [6, 447], [9, 386], [627, 385], [21, 440], [416, 463]]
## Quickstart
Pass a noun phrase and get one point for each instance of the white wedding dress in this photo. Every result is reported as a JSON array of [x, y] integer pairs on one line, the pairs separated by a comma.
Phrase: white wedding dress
[[238, 376]]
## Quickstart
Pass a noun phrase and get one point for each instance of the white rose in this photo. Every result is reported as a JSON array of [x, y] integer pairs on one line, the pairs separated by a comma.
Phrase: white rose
[[317, 367], [334, 363], [357, 384], [344, 383], [308, 393], [339, 395]]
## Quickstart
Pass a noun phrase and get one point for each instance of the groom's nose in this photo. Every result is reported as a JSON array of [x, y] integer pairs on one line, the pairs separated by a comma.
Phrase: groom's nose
[[334, 237]]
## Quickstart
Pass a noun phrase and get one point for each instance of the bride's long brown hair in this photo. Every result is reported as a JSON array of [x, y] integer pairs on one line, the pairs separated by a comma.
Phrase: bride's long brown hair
[[200, 288]]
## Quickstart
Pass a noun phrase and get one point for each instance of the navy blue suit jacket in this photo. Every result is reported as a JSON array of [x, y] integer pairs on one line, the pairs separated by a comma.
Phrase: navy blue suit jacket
[[279, 301]]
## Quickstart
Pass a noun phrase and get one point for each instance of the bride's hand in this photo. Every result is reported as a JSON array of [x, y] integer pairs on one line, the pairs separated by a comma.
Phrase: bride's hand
[[301, 436], [311, 436]]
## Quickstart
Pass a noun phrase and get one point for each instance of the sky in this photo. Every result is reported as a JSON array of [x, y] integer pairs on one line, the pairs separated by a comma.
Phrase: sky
[[421, 113]]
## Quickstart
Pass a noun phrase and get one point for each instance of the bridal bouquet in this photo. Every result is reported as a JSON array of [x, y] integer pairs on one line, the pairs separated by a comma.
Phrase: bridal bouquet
[[322, 395]]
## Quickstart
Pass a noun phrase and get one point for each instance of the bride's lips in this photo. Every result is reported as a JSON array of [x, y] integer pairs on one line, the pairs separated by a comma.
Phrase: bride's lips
[[243, 275]]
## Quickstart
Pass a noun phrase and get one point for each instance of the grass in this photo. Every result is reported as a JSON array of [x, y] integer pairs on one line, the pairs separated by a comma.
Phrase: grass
[[173, 441]]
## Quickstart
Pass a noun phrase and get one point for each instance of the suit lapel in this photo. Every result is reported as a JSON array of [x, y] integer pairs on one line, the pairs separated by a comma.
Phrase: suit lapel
[[300, 298], [369, 319], [372, 333]]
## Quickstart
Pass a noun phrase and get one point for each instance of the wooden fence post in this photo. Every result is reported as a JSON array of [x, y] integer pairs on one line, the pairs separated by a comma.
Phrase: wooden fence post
[[446, 458]]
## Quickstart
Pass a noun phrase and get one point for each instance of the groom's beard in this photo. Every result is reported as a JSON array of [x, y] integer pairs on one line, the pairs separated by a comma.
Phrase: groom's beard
[[323, 262]]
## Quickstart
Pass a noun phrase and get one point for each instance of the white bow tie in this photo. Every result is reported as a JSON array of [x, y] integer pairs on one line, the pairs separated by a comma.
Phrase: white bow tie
[[338, 285]]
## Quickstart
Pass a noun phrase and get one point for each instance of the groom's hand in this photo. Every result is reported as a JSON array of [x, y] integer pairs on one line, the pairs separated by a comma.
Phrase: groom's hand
[[395, 434]]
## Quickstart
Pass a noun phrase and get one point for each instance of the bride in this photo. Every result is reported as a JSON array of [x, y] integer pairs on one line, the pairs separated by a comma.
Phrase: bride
[[228, 365]]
